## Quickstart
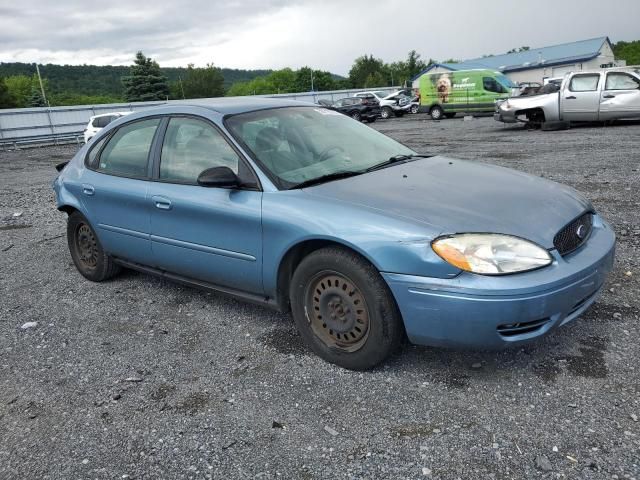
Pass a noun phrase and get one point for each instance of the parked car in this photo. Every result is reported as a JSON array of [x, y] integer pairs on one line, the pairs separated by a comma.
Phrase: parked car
[[410, 102], [98, 122], [363, 239], [583, 96], [366, 109], [446, 93], [389, 104]]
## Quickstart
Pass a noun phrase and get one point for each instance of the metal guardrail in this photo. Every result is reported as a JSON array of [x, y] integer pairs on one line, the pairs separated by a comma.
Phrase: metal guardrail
[[21, 127]]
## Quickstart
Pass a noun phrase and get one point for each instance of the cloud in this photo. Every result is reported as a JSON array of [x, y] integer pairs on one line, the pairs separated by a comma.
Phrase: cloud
[[279, 33]]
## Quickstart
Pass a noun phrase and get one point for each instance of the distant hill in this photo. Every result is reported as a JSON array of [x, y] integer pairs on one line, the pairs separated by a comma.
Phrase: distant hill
[[105, 80]]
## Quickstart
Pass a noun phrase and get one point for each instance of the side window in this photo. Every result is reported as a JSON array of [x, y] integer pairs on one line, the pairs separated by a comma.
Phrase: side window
[[128, 149], [93, 153], [192, 146], [584, 83], [621, 81], [491, 85]]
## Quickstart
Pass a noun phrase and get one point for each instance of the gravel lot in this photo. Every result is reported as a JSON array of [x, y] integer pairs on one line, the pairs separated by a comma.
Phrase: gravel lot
[[140, 378]]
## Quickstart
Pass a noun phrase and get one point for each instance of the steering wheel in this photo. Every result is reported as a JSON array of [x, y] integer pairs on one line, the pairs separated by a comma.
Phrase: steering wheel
[[326, 153]]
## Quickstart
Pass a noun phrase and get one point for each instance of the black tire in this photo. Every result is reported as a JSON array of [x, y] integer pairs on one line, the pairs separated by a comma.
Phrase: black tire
[[356, 116], [361, 325], [436, 112], [386, 112], [554, 126], [450, 114], [86, 251]]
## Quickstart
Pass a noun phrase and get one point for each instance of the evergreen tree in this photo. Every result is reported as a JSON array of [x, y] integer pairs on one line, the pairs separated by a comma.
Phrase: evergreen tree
[[6, 101], [146, 82], [36, 99]]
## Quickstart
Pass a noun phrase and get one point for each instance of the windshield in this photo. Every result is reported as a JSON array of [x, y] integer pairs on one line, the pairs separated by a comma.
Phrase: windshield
[[504, 81], [298, 144]]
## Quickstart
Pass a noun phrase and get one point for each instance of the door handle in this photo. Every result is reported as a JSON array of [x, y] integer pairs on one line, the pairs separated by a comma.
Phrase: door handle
[[88, 189], [571, 98], [608, 96], [162, 203]]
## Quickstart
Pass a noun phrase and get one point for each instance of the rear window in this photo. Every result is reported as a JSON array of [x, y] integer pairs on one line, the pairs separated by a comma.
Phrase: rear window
[[127, 151], [101, 122], [621, 81]]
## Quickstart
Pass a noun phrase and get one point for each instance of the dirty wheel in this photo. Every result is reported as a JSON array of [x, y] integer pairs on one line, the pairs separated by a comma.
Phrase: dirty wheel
[[386, 112], [87, 253], [436, 112], [344, 309], [339, 314]]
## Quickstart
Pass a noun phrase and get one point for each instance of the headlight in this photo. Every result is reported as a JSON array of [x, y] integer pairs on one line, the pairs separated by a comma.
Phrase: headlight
[[490, 254]]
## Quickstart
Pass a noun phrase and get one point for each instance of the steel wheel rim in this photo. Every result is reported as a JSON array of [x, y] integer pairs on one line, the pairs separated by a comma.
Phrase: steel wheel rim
[[87, 246], [436, 114], [337, 311]]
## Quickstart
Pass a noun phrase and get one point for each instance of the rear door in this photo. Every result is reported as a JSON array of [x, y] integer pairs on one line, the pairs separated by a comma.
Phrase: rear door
[[580, 101], [114, 190], [620, 96], [204, 233]]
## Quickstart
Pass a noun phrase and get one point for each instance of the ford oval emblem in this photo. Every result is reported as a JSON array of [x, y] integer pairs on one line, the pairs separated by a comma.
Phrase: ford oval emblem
[[580, 232]]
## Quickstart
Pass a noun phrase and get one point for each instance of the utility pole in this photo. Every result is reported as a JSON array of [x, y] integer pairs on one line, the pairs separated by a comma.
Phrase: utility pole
[[181, 87], [312, 79], [41, 87]]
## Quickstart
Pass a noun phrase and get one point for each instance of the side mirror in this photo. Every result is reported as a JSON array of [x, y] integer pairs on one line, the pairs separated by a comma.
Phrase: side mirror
[[221, 177]]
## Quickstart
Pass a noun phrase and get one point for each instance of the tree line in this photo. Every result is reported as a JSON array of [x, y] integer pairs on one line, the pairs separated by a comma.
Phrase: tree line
[[145, 80]]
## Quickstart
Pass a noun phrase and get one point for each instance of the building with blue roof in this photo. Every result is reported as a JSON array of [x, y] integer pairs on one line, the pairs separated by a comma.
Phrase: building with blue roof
[[536, 64]]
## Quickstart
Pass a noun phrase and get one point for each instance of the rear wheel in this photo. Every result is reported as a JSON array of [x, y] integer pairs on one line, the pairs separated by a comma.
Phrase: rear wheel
[[88, 255], [386, 112], [436, 112], [344, 310]]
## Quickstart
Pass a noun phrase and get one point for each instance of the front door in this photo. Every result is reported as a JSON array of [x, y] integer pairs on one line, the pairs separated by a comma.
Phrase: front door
[[620, 96], [580, 101], [204, 233]]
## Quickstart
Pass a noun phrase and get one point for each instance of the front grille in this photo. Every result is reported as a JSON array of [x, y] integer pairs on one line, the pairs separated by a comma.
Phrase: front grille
[[513, 329], [574, 234]]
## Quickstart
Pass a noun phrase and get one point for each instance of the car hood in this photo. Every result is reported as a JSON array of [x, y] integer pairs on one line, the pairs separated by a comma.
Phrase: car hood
[[456, 196]]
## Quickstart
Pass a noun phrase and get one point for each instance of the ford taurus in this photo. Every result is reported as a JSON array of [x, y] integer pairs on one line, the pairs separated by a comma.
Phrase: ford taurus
[[364, 240]]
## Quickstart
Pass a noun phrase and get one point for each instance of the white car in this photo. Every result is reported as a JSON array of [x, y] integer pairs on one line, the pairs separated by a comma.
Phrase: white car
[[389, 103], [98, 122]]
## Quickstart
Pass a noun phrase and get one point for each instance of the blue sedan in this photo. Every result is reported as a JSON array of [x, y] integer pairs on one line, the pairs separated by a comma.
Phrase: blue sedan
[[365, 241]]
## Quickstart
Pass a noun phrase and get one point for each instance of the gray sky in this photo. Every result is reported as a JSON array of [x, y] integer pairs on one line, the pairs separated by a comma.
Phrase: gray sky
[[326, 35]]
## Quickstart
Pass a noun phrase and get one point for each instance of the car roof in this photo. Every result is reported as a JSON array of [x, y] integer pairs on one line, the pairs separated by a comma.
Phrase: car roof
[[234, 105], [108, 114]]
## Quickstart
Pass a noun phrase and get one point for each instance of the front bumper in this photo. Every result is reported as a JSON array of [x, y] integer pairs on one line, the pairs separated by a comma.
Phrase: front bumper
[[478, 311]]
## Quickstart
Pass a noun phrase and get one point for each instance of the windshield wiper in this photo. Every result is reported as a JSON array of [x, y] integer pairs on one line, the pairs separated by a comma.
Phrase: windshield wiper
[[327, 178], [396, 159]]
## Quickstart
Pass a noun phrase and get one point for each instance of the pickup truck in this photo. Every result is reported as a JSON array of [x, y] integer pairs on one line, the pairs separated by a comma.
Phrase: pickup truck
[[584, 96]]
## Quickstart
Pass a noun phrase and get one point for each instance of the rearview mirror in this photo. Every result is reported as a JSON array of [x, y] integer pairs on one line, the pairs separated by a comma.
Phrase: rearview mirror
[[221, 177]]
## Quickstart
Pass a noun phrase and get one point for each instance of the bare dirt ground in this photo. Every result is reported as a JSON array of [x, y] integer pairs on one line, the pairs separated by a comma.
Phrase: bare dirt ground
[[140, 378]]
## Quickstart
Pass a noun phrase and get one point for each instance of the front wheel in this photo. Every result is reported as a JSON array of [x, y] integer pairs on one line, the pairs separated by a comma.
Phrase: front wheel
[[436, 112], [86, 251], [414, 108], [386, 112], [356, 116], [344, 310]]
